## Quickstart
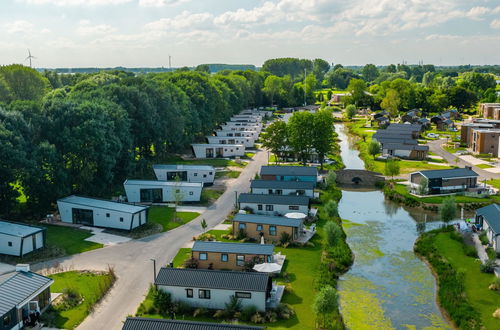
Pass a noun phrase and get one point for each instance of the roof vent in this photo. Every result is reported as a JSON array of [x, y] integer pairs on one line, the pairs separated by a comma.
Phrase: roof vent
[[468, 167], [22, 268]]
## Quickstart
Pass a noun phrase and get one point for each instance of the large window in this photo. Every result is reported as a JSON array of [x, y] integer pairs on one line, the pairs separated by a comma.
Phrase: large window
[[152, 195], [180, 175], [204, 294], [240, 260], [269, 207], [243, 295], [189, 293], [224, 257], [272, 230], [293, 207], [259, 207], [242, 226], [203, 256], [259, 227], [83, 216]]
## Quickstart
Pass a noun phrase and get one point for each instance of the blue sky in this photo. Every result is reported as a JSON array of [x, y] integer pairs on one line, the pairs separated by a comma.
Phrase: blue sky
[[103, 33]]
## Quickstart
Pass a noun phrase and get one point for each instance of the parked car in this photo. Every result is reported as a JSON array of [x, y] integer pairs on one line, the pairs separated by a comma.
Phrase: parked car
[[432, 135], [453, 129]]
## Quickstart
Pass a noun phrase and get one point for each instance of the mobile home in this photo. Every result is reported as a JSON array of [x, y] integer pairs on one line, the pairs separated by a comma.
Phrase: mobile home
[[101, 213], [151, 191], [216, 150], [271, 187], [273, 204], [247, 142], [18, 239], [248, 134], [190, 173]]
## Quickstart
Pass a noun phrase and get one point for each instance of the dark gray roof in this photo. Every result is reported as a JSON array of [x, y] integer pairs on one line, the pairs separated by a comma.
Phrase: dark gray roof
[[19, 286], [491, 215], [139, 323], [274, 199], [383, 139], [289, 170], [401, 146], [451, 173], [227, 247], [272, 184], [404, 127], [213, 279], [268, 220], [103, 204], [449, 122]]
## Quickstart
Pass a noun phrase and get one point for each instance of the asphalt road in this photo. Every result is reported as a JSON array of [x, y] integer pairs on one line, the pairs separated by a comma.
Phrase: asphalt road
[[436, 147], [132, 260]]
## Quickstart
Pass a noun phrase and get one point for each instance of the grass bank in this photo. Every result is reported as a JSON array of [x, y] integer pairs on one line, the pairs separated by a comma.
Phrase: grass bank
[[81, 291], [463, 290]]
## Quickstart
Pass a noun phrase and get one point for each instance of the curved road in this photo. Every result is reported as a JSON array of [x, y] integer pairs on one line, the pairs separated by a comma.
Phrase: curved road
[[436, 146], [132, 260]]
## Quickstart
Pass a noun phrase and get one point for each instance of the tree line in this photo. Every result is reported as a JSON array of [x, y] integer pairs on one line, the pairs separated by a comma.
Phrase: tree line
[[86, 133]]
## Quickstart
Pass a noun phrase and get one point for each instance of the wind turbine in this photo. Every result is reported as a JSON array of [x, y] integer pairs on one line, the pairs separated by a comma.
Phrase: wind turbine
[[29, 57]]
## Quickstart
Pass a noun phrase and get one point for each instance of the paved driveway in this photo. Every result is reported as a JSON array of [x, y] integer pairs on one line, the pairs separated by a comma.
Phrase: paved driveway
[[132, 260], [436, 147]]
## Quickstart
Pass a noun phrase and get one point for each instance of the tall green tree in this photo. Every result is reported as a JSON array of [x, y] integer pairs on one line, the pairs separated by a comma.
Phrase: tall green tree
[[323, 131], [357, 88], [300, 135], [24, 83], [391, 168], [324, 305], [391, 102], [370, 72], [374, 148], [275, 138], [448, 209], [272, 87]]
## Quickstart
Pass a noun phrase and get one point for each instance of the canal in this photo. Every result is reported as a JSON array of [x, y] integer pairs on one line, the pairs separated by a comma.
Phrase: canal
[[388, 286]]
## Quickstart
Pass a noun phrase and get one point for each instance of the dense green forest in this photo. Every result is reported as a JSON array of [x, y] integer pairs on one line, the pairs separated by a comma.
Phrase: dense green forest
[[85, 133]]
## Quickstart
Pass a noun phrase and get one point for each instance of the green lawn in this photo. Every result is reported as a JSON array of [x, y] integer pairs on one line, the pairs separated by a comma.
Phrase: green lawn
[[485, 166], [476, 283], [409, 166], [209, 195], [217, 162], [70, 240], [439, 199], [495, 183], [163, 216], [181, 256], [91, 286], [227, 174]]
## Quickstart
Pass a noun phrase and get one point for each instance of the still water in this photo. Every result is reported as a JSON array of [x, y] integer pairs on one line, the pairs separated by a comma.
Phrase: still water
[[388, 286]]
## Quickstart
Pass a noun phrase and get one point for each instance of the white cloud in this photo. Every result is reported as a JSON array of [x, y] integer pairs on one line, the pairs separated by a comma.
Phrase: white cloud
[[495, 24], [477, 12], [20, 26], [86, 28], [184, 21], [76, 2], [161, 3]]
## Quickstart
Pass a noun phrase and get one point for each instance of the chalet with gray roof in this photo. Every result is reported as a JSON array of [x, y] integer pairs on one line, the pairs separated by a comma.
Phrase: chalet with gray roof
[[140, 323], [273, 204], [488, 219], [212, 289], [400, 140], [445, 181], [22, 293], [270, 187], [101, 213], [230, 256], [189, 173], [289, 173], [157, 191], [18, 239], [269, 227]]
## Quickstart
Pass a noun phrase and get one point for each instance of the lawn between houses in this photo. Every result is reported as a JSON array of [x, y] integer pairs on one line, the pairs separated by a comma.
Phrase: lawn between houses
[[306, 270], [462, 288], [81, 291]]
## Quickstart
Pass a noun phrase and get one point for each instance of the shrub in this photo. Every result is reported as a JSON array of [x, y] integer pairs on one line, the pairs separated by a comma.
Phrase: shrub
[[241, 234], [495, 285], [271, 316], [285, 239], [488, 266], [249, 264], [483, 238], [331, 179], [257, 318], [331, 208], [448, 209], [200, 312], [332, 233], [233, 305], [470, 251], [284, 311], [247, 313], [181, 307], [220, 314], [191, 263], [161, 301], [71, 298]]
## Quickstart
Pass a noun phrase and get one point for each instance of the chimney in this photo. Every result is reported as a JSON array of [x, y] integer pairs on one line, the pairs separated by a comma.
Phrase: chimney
[[22, 268], [468, 167]]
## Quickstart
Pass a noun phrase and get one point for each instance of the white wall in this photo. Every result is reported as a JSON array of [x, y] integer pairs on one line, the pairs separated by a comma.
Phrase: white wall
[[248, 134], [100, 218], [10, 250], [228, 150], [398, 153], [265, 191], [247, 142], [188, 193], [242, 127], [277, 209], [218, 298], [201, 176]]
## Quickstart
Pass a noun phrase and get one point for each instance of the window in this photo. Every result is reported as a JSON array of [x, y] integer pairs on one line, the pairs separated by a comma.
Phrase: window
[[293, 207], [242, 225], [209, 173], [259, 227], [9, 243], [121, 219], [269, 207], [204, 175], [107, 215], [195, 174], [279, 192], [272, 230], [259, 207], [270, 191], [177, 191], [190, 193], [189, 293], [224, 257], [203, 256], [240, 260], [244, 295], [204, 294]]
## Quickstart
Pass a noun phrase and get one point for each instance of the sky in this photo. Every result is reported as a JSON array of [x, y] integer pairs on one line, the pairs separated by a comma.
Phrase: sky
[[143, 33]]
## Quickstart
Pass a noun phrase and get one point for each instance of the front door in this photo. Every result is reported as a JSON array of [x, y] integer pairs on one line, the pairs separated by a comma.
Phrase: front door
[[219, 152], [209, 153], [83, 217], [152, 195]]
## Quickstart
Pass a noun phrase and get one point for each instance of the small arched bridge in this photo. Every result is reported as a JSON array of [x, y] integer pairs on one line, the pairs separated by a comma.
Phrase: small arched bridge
[[359, 177]]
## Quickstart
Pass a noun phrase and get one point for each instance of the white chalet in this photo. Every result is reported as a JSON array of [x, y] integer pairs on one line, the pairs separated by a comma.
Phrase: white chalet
[[152, 191], [216, 150], [18, 239], [190, 173]]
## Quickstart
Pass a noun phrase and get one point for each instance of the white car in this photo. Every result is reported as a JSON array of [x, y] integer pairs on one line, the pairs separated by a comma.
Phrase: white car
[[433, 135]]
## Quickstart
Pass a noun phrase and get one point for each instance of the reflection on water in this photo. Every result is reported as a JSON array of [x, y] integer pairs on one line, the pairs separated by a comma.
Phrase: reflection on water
[[348, 152], [388, 287]]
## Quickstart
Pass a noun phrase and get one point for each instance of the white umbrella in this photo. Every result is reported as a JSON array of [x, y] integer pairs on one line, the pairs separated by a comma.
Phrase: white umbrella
[[262, 240], [267, 267], [295, 215]]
